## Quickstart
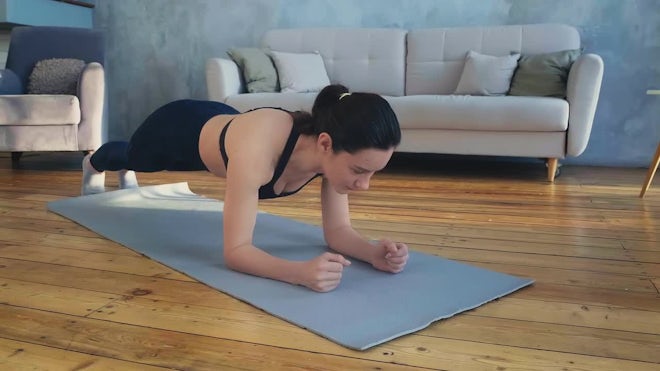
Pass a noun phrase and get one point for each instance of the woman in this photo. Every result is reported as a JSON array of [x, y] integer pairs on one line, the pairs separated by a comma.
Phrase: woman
[[268, 153]]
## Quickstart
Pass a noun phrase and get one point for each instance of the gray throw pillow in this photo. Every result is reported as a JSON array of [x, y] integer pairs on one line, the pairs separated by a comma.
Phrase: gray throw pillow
[[257, 68], [55, 76], [543, 75], [10, 83]]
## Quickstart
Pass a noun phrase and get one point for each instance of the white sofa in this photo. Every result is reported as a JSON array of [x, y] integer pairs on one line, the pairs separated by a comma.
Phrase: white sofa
[[418, 70]]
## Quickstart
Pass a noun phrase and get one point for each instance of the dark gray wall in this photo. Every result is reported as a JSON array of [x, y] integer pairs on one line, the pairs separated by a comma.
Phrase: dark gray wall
[[157, 50]]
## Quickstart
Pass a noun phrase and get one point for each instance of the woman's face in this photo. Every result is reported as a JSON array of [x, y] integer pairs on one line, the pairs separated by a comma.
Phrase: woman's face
[[351, 172]]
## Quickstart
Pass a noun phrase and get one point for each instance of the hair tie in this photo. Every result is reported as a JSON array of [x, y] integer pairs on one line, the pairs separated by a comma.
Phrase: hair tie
[[344, 95]]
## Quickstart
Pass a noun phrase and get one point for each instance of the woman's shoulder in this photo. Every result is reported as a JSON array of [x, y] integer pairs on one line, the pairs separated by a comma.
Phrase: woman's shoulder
[[262, 127], [279, 109], [273, 112], [269, 119], [257, 137]]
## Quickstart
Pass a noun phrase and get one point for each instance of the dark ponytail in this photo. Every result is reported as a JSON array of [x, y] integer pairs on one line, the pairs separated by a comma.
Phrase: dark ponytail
[[327, 99], [354, 121]]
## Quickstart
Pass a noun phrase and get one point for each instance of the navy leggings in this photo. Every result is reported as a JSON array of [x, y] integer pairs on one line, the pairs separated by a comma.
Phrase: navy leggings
[[167, 140]]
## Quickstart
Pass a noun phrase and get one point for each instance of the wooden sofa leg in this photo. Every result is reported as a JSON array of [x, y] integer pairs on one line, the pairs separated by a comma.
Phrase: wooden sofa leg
[[552, 168]]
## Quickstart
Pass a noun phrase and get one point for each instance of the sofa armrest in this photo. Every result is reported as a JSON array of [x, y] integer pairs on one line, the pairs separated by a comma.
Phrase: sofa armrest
[[10, 83], [223, 79], [583, 89], [91, 92]]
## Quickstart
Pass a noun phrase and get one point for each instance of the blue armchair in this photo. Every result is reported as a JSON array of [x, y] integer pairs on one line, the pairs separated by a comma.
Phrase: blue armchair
[[52, 122]]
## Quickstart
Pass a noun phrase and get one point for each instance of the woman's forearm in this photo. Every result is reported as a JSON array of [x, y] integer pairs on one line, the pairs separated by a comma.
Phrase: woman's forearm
[[348, 241], [252, 260]]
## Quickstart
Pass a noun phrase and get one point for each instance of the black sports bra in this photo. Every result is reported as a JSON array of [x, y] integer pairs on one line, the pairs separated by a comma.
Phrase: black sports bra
[[267, 191]]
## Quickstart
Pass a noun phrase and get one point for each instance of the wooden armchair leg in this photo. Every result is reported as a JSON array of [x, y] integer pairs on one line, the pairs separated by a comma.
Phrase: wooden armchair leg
[[552, 168], [15, 156]]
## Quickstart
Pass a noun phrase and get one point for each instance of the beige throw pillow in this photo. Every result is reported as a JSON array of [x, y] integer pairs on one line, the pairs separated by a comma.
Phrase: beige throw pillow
[[486, 74], [300, 72]]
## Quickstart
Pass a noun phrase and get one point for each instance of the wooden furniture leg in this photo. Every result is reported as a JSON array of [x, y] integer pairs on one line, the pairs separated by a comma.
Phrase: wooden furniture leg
[[652, 168], [552, 169], [15, 157]]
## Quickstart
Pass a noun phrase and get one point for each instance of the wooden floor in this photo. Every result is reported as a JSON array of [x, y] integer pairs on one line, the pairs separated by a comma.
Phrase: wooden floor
[[72, 300]]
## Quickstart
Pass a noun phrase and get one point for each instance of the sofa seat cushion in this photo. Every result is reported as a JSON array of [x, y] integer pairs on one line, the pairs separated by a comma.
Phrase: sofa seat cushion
[[39, 110], [288, 101], [462, 112]]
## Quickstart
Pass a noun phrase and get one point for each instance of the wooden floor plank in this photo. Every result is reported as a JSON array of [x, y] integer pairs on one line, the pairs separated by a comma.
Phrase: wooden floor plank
[[560, 338], [121, 284], [51, 298], [573, 314], [451, 230], [652, 246], [548, 261], [9, 236], [575, 278], [550, 292], [89, 259], [537, 247], [15, 355]]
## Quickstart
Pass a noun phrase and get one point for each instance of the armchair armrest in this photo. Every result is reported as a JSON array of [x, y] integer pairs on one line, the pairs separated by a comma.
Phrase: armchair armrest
[[91, 93], [10, 83], [583, 89], [223, 79]]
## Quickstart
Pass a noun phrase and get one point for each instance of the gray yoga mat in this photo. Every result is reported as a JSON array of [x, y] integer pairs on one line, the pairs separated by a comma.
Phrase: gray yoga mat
[[182, 230]]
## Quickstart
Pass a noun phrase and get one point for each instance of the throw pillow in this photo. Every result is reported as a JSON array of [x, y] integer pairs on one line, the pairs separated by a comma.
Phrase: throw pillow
[[300, 72], [543, 75], [55, 76], [257, 69], [10, 83], [486, 74]]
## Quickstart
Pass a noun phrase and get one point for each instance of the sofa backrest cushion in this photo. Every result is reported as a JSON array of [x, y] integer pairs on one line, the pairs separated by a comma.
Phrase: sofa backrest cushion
[[436, 56], [362, 59], [30, 44]]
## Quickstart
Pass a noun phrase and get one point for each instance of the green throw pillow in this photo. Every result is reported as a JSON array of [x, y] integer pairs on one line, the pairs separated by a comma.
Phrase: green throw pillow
[[257, 68], [543, 75]]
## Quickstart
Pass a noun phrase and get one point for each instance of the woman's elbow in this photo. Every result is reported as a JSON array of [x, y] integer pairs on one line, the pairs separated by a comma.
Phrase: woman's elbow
[[328, 237], [333, 235], [231, 259]]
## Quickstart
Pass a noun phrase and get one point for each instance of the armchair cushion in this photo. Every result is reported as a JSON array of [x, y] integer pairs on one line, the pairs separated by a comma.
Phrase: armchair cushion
[[39, 110], [10, 83], [55, 76]]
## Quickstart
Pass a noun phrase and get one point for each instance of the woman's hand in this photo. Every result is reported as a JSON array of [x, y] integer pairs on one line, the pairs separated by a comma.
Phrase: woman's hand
[[390, 256], [323, 273]]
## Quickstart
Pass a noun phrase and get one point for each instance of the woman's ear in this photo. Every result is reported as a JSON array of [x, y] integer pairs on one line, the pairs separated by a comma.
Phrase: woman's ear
[[324, 142]]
